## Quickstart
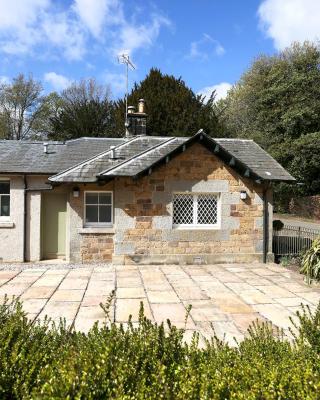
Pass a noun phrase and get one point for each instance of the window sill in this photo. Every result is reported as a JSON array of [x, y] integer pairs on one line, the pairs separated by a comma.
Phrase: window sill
[[196, 227], [93, 229], [6, 224]]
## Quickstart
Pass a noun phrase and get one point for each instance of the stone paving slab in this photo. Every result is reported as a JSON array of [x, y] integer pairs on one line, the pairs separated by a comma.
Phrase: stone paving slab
[[226, 297]]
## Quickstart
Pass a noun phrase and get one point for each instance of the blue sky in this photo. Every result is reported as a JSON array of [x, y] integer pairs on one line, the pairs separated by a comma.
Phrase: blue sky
[[207, 42]]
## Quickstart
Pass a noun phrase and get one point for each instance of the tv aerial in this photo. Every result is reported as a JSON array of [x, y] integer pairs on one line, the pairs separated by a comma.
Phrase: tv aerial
[[125, 59]]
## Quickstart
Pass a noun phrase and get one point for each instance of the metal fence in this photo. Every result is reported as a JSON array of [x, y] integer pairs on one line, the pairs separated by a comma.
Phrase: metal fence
[[292, 240]]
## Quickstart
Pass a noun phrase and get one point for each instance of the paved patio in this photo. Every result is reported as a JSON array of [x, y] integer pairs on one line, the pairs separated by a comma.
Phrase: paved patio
[[228, 297]]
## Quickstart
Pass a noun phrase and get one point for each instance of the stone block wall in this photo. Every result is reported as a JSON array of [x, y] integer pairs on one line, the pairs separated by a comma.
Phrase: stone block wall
[[88, 244], [97, 247], [143, 229], [143, 223]]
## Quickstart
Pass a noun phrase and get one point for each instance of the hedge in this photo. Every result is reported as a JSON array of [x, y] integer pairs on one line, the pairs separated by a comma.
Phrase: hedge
[[149, 361]]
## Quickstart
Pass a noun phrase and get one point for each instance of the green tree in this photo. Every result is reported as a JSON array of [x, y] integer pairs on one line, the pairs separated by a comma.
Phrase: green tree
[[302, 158], [83, 109], [278, 98], [173, 108], [20, 104], [277, 103]]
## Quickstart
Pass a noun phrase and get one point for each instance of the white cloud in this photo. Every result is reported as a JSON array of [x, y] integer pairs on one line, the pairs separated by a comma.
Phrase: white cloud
[[205, 47], [19, 14], [221, 90], [18, 20], [133, 37], [57, 81], [33, 23], [37, 27], [97, 13], [286, 21], [66, 34]]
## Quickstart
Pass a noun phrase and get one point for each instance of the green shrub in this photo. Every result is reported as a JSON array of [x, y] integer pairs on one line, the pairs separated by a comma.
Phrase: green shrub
[[310, 265], [150, 361]]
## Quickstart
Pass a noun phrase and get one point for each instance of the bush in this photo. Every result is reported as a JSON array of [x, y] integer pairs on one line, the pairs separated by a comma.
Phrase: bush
[[277, 225], [310, 265], [38, 361]]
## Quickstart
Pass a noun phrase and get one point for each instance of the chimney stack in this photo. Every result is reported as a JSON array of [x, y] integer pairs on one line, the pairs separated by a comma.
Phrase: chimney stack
[[136, 124]]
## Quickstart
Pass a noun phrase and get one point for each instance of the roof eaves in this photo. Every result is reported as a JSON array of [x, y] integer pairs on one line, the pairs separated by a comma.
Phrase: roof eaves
[[226, 156]]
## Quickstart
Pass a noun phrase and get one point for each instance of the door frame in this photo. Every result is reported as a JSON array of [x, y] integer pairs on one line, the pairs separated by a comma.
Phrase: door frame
[[42, 229]]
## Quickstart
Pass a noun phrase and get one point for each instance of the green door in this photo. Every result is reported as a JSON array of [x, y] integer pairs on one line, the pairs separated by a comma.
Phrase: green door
[[53, 213]]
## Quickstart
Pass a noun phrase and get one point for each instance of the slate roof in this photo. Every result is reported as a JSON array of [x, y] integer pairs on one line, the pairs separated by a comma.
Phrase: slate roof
[[29, 157], [256, 159], [89, 159], [90, 169], [146, 159]]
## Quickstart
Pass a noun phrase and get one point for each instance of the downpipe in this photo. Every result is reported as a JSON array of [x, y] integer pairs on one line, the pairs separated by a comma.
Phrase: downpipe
[[265, 224]]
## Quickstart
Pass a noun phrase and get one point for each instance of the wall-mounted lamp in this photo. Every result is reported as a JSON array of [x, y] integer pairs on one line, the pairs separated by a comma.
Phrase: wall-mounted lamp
[[76, 192], [243, 195]]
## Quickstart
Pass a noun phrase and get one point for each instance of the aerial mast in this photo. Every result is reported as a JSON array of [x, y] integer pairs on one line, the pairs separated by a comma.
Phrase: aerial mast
[[125, 59]]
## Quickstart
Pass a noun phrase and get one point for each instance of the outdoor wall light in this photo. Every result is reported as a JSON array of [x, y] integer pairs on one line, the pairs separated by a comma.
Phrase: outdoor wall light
[[76, 192], [243, 195]]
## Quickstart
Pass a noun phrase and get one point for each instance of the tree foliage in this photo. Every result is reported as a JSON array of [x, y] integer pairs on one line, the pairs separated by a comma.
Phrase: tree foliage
[[278, 98], [277, 103], [83, 109], [20, 105], [302, 158], [173, 108]]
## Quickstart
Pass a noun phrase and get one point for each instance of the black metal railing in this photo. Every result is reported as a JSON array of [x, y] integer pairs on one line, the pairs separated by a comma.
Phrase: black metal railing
[[292, 240]]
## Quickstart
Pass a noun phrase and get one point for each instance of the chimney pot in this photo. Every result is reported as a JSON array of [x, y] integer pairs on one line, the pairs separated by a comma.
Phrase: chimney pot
[[113, 152], [131, 109], [45, 147], [141, 106]]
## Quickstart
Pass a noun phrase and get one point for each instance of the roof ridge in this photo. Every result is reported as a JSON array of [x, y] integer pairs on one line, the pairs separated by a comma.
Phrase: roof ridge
[[243, 140], [93, 138], [56, 142], [137, 155], [90, 159]]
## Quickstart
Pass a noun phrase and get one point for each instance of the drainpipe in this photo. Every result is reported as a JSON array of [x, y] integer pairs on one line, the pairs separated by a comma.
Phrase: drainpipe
[[24, 218], [265, 224]]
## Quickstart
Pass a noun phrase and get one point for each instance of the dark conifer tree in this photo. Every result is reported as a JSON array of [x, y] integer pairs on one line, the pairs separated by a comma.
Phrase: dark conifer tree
[[173, 108]]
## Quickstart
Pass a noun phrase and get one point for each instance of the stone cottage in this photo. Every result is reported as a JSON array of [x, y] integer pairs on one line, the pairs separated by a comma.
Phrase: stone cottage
[[137, 199]]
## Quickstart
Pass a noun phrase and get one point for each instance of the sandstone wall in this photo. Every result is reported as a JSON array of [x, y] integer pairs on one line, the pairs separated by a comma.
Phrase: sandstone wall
[[143, 214]]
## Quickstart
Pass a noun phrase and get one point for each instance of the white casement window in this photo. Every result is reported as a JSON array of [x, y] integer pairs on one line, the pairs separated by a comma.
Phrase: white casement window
[[195, 210], [4, 200], [98, 209]]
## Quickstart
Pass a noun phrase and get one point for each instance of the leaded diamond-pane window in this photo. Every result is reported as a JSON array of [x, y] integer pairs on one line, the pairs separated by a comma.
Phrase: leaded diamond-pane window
[[195, 209], [207, 209], [183, 209]]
